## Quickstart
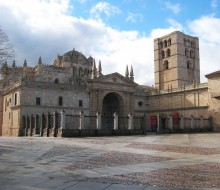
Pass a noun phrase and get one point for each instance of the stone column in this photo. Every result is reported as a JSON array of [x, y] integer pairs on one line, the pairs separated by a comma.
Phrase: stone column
[[192, 122], [51, 127], [170, 122], [36, 126], [62, 123], [98, 121], [181, 122], [130, 122], [63, 119], [27, 125], [201, 122], [158, 123], [42, 124], [32, 126], [115, 121], [46, 132], [55, 124], [81, 121], [24, 124]]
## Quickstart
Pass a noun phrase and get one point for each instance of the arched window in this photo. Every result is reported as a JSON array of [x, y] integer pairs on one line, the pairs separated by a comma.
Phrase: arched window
[[188, 43], [165, 43], [80, 71], [161, 45], [168, 52], [192, 54], [74, 72], [192, 44], [56, 81], [162, 54], [166, 65], [86, 72], [188, 65], [169, 42]]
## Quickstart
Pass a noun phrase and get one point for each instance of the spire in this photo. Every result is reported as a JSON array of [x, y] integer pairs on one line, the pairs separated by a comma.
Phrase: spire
[[39, 61], [99, 72], [94, 70], [25, 63], [126, 72], [131, 73]]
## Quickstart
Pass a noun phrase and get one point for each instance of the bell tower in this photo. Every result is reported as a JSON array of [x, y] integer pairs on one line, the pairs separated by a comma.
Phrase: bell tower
[[176, 60]]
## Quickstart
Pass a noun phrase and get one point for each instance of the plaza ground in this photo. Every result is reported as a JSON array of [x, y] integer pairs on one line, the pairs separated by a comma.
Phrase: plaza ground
[[150, 162]]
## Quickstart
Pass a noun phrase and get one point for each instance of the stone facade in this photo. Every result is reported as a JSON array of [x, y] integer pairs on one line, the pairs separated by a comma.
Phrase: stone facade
[[74, 84]]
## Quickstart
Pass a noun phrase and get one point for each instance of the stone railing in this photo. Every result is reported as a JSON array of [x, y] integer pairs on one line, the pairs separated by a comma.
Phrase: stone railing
[[180, 89], [69, 125]]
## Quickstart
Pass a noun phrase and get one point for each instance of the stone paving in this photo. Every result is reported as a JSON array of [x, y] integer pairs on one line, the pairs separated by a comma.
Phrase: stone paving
[[151, 162]]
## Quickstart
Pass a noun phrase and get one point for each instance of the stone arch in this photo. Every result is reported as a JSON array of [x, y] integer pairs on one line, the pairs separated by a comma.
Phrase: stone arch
[[112, 102]]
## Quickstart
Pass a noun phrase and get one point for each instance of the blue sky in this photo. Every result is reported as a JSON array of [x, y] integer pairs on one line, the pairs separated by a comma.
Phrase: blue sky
[[144, 15], [118, 33]]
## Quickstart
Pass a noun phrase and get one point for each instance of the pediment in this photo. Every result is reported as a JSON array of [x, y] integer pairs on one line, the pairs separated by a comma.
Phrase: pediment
[[115, 78]]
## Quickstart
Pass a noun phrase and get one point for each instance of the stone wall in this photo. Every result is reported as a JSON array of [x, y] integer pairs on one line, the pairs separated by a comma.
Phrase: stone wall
[[214, 100]]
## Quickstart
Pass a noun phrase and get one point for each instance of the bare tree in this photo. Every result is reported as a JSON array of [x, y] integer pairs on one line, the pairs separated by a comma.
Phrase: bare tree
[[6, 49]]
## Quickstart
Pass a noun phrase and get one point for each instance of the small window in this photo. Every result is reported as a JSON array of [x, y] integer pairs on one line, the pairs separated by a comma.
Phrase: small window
[[56, 81], [80, 103], [80, 71], [15, 99], [60, 101], [165, 43], [168, 53], [38, 101], [192, 54], [188, 43], [169, 42], [140, 103], [166, 65], [189, 65], [163, 54]]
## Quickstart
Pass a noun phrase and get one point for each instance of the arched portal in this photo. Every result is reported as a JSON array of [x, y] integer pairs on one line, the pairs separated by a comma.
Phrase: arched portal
[[112, 103]]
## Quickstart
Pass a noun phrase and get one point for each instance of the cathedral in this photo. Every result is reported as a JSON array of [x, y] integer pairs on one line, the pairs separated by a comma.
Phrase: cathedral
[[75, 84]]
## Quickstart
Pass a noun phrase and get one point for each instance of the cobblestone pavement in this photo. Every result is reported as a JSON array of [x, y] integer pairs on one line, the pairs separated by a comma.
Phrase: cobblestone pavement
[[151, 162]]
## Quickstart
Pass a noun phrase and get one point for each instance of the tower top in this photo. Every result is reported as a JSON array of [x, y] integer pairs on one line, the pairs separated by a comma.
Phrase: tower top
[[176, 60]]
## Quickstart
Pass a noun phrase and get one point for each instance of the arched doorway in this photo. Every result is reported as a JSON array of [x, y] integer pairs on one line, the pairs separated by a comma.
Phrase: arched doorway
[[112, 103]]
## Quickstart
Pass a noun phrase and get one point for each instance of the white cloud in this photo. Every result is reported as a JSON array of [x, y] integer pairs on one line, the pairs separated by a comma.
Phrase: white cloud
[[104, 8], [134, 17], [36, 32], [207, 28], [175, 8], [45, 28]]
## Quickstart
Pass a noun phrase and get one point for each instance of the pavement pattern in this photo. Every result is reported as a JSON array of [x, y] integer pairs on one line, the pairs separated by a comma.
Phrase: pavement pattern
[[150, 162]]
